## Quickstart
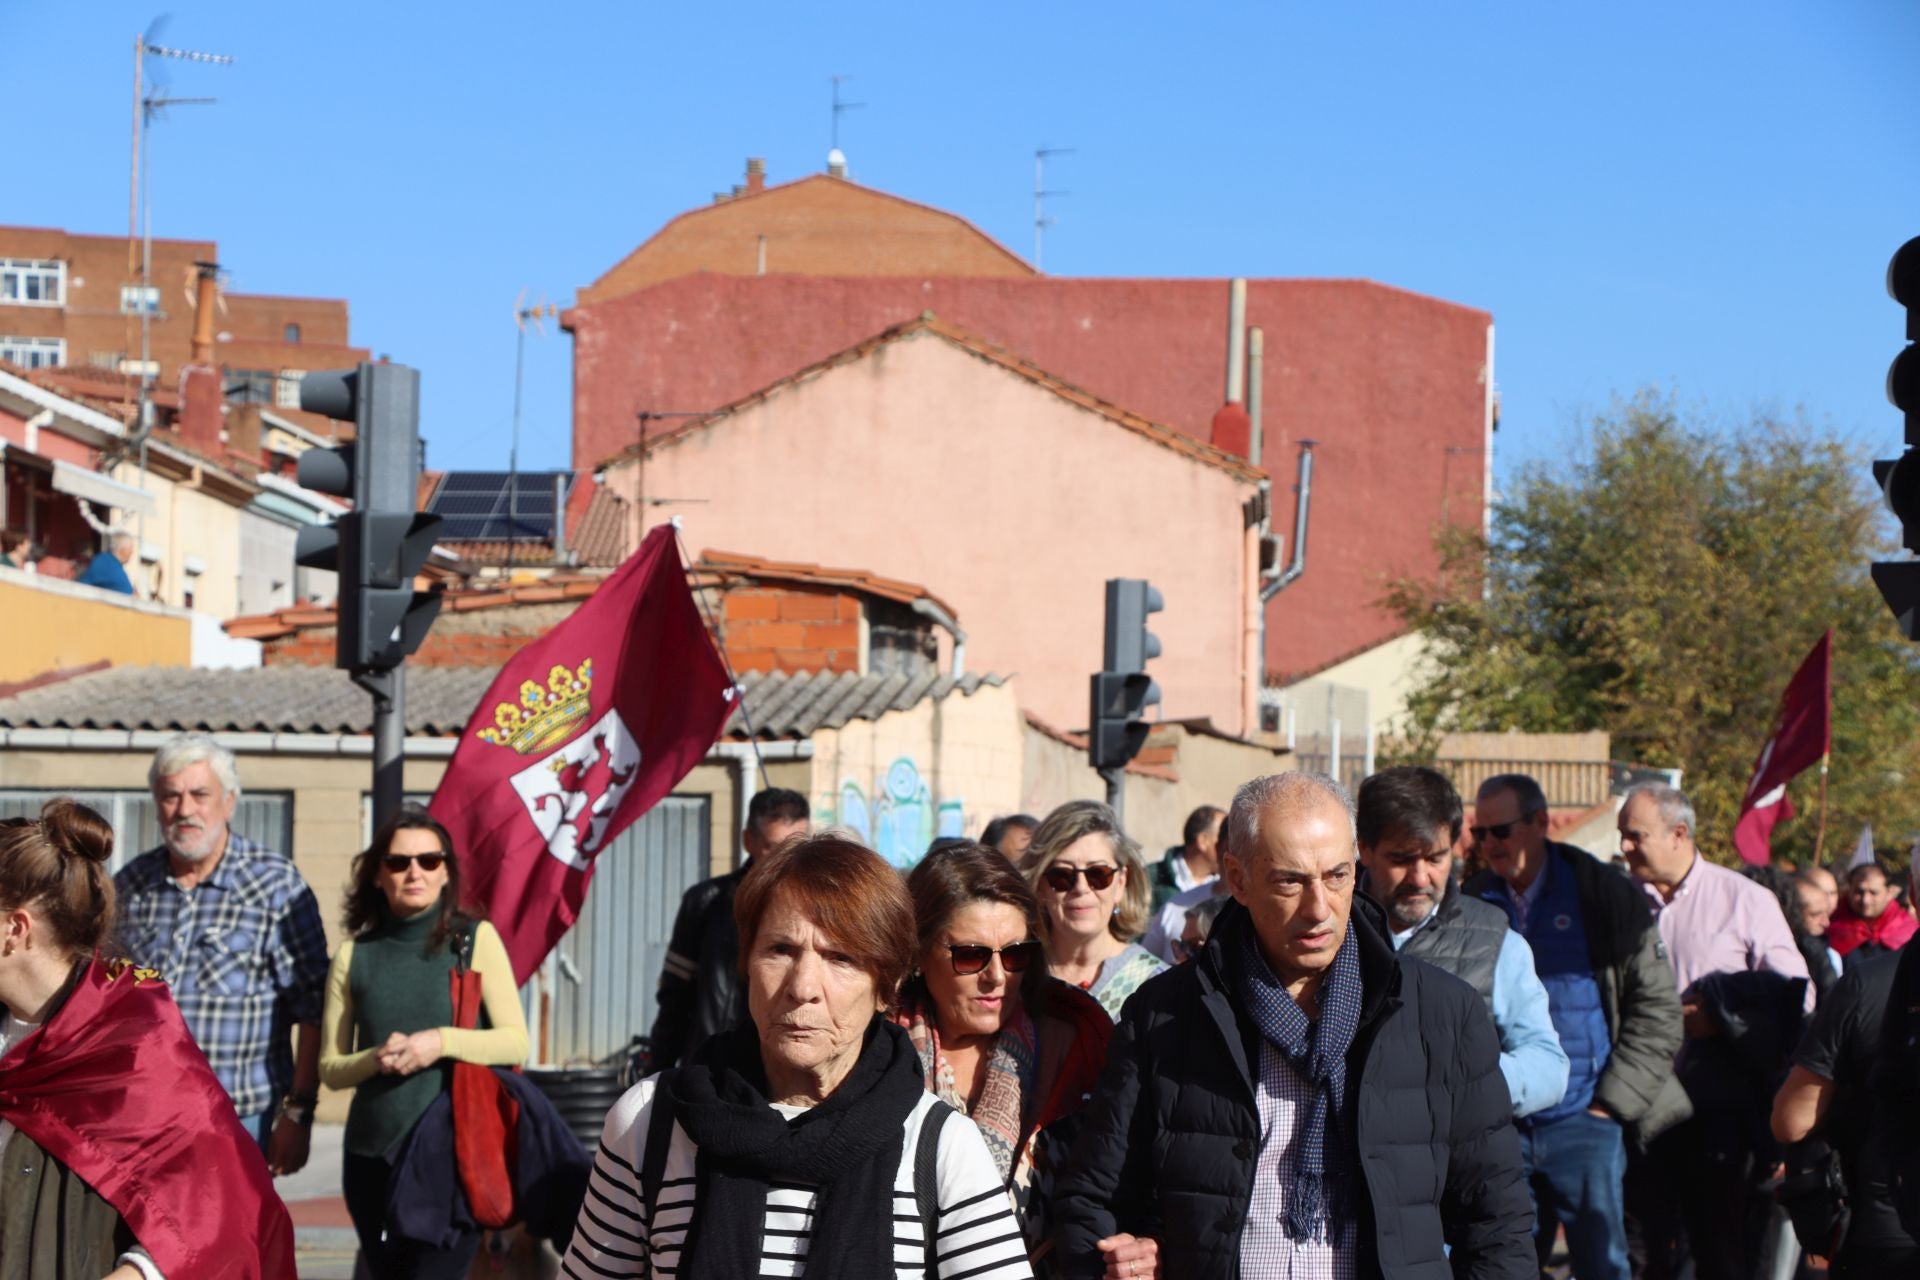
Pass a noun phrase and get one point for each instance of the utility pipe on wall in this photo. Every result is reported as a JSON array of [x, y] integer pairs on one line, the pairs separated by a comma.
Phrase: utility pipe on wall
[[1304, 498], [1256, 364]]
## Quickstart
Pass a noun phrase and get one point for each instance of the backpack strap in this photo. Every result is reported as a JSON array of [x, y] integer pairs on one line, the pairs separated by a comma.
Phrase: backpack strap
[[926, 1180], [653, 1159]]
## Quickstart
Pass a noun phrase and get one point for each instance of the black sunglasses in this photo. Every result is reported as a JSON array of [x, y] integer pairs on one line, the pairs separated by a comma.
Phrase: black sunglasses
[[1499, 830], [972, 957], [399, 862], [1062, 879]]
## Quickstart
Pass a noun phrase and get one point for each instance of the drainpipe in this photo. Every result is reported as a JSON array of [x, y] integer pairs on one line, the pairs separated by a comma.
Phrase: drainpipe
[[1280, 582], [941, 618], [560, 519]]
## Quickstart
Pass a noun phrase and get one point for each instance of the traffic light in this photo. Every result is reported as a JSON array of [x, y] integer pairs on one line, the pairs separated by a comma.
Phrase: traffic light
[[1899, 478], [1122, 692], [380, 544]]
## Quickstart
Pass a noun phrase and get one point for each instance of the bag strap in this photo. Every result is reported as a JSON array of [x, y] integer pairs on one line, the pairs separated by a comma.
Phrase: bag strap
[[463, 948], [926, 1179], [653, 1159]]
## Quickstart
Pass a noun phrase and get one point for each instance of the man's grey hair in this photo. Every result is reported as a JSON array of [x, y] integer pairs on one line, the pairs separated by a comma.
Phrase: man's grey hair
[[1527, 794], [121, 538], [1286, 791], [1675, 809], [190, 749]]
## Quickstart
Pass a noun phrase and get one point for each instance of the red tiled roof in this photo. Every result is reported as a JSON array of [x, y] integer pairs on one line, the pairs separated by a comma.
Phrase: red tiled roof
[[1078, 741], [813, 575], [599, 536], [928, 323]]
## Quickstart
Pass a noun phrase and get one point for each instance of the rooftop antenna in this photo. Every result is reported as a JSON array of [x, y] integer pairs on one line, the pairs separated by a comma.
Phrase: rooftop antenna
[[840, 108], [1040, 193], [537, 314]]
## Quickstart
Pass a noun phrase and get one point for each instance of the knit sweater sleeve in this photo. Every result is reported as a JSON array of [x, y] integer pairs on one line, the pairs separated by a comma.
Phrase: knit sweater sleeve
[[340, 1066], [504, 1043]]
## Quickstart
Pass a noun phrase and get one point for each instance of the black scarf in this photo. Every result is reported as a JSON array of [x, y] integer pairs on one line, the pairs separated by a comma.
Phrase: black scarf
[[1318, 1051], [849, 1147]]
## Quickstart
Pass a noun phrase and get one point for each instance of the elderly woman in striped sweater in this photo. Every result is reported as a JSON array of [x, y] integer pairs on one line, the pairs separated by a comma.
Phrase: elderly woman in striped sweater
[[802, 1143]]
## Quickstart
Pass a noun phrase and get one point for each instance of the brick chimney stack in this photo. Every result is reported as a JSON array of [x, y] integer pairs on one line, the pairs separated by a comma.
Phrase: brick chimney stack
[[756, 175], [202, 401]]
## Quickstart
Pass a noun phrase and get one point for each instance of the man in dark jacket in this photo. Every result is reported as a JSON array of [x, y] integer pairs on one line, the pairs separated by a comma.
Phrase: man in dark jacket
[[700, 991], [1301, 1100], [1612, 996]]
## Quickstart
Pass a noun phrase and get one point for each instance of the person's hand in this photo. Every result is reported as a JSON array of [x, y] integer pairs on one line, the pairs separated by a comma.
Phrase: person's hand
[[1131, 1256], [1699, 1023], [1602, 1112], [287, 1147], [402, 1054]]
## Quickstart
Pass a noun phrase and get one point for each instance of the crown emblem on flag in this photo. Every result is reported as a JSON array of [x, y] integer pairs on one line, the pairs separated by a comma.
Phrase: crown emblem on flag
[[544, 715]]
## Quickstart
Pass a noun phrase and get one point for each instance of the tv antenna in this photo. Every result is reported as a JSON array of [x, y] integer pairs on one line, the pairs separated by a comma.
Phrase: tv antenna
[[537, 315], [840, 107], [1040, 193]]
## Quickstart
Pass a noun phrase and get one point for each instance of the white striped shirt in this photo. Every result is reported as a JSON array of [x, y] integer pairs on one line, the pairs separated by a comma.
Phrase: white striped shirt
[[976, 1237]]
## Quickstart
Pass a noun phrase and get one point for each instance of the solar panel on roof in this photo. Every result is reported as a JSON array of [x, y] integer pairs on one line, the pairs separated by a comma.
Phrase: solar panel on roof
[[492, 506]]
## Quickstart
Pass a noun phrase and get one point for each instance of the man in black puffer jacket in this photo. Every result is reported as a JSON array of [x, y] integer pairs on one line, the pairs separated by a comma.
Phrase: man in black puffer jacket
[[1375, 1079]]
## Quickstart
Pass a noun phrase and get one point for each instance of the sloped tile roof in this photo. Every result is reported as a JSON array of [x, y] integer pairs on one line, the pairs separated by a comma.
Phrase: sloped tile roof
[[600, 532], [440, 700], [857, 580]]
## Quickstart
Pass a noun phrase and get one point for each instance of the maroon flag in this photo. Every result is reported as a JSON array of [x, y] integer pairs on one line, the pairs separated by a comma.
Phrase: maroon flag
[[582, 732], [1801, 738]]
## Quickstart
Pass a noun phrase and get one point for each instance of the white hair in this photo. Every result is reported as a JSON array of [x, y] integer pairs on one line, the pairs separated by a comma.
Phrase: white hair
[[1675, 809], [1285, 790], [121, 538], [189, 749]]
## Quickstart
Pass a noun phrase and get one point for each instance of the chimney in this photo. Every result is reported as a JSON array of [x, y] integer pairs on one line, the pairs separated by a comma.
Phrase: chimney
[[836, 163], [202, 398], [756, 175], [1256, 375], [1232, 428], [204, 302]]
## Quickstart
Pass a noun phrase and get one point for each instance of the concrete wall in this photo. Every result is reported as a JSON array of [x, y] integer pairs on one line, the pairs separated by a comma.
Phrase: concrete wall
[[54, 625], [1057, 772], [1010, 502], [1388, 673]]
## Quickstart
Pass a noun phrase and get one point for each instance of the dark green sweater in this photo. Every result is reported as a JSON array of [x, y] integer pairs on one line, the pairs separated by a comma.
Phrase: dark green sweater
[[397, 986]]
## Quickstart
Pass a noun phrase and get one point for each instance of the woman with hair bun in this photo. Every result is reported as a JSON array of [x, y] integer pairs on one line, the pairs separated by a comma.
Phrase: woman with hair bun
[[114, 1133]]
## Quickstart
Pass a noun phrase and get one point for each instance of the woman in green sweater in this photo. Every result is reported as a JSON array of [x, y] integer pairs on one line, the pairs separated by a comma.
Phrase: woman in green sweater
[[385, 1032]]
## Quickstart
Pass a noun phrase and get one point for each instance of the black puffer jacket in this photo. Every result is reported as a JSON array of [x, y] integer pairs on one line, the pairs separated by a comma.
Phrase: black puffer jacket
[[700, 993], [1169, 1143]]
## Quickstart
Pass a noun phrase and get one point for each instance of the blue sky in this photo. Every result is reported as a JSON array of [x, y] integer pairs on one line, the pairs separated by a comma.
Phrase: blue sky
[[1699, 197]]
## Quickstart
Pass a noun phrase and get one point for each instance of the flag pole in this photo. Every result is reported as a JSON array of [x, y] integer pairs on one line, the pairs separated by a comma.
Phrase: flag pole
[[746, 717], [1820, 834]]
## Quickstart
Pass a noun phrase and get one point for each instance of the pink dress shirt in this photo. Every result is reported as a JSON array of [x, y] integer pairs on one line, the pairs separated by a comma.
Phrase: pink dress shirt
[[1721, 922]]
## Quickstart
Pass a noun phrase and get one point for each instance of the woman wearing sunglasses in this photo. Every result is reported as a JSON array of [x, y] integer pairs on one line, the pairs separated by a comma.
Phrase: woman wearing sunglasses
[[387, 1034], [1095, 897], [999, 1040]]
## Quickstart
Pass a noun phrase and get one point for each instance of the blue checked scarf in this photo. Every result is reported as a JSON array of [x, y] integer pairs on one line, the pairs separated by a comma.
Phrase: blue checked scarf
[[1318, 1051]]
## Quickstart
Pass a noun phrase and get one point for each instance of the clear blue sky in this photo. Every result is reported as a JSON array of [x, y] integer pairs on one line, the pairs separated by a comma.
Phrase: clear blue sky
[[1700, 197]]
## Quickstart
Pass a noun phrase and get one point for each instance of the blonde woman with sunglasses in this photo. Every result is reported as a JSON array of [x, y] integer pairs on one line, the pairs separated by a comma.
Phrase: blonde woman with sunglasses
[[1095, 899], [387, 1030]]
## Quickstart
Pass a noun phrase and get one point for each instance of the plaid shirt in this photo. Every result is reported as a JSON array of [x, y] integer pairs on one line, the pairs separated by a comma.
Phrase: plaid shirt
[[245, 954]]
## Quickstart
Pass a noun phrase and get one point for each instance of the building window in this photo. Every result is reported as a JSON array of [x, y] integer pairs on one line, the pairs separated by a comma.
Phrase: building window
[[292, 333], [136, 298], [34, 353], [287, 395], [27, 283], [251, 386]]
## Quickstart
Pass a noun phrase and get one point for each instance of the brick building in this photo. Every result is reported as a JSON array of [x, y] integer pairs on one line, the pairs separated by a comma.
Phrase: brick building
[[75, 301]]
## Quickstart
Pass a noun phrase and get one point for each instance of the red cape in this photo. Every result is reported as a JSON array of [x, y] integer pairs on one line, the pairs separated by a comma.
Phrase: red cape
[[1890, 929], [114, 1087]]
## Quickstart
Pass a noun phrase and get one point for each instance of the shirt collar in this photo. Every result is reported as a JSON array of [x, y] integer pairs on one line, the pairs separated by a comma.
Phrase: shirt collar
[[1531, 894]]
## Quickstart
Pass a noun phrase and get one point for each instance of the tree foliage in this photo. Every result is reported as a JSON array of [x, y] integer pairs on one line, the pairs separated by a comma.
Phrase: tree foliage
[[1663, 586]]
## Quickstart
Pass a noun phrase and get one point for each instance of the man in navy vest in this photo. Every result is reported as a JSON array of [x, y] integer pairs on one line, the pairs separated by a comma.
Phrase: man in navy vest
[[1409, 820], [1614, 1005]]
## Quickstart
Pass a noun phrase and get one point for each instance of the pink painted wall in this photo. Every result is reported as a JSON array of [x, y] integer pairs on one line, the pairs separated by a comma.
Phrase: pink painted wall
[[925, 462], [49, 443]]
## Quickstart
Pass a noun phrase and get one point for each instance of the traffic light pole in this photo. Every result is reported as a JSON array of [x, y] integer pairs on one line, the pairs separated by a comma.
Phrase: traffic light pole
[[1117, 793], [389, 690]]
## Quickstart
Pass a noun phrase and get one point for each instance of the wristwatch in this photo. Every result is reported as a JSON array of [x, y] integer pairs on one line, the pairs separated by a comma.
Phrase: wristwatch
[[298, 1110]]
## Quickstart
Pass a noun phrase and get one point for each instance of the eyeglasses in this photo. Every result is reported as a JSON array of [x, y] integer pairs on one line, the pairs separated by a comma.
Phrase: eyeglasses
[[1061, 879], [970, 958], [399, 862], [1499, 830]]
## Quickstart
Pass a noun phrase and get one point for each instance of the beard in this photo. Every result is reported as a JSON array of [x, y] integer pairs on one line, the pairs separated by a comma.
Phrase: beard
[[192, 842], [1411, 907]]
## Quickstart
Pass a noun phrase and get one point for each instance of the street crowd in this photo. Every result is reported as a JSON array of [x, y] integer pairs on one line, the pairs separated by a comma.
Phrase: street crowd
[[1398, 1034]]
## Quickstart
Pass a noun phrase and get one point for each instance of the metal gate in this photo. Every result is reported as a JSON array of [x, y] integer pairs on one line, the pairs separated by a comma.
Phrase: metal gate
[[265, 816], [606, 968]]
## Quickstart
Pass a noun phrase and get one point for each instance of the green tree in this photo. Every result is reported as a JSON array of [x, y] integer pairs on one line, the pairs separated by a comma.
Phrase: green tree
[[1663, 586]]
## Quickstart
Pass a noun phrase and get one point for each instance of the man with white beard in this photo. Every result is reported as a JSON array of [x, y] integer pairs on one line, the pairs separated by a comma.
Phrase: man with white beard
[[236, 934]]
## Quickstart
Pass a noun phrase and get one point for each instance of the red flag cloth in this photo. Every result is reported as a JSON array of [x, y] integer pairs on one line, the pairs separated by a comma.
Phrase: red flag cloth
[[580, 734], [1890, 929], [114, 1088], [1802, 735]]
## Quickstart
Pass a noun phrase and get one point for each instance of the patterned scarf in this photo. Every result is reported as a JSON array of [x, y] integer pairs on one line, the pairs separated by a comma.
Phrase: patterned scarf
[[1318, 1051], [1006, 1097]]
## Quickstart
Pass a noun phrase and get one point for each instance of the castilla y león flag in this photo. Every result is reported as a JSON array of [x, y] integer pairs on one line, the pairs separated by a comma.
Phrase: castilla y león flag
[[580, 734], [1802, 735]]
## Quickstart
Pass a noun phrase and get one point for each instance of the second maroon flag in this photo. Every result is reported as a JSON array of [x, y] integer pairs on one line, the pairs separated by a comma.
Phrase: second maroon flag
[[580, 734], [1802, 735]]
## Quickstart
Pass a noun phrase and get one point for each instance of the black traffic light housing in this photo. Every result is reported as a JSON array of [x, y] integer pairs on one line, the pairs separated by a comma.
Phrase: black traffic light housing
[[1120, 694], [380, 544]]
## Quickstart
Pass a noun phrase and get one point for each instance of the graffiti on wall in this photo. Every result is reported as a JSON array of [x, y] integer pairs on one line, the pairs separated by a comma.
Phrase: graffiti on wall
[[900, 820]]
